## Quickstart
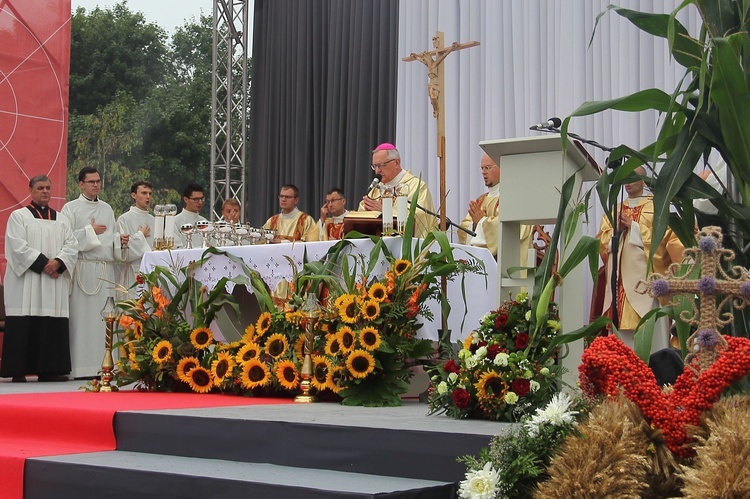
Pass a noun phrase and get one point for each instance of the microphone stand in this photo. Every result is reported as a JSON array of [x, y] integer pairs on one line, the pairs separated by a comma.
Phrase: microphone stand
[[447, 220], [615, 241]]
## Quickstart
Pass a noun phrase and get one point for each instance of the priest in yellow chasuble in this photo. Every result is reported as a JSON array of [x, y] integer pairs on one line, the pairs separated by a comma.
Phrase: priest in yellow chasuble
[[386, 161], [292, 224], [635, 223]]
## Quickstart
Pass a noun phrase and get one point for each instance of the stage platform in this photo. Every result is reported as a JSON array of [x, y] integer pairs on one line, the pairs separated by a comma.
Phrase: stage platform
[[292, 450]]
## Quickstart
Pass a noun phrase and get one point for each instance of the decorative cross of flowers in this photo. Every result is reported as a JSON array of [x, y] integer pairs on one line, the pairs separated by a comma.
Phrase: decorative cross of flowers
[[706, 343]]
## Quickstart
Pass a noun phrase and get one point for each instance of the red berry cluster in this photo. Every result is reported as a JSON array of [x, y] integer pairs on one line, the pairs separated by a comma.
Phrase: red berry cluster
[[609, 366]]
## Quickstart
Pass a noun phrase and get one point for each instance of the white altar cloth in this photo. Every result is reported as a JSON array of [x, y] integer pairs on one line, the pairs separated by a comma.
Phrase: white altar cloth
[[270, 261]]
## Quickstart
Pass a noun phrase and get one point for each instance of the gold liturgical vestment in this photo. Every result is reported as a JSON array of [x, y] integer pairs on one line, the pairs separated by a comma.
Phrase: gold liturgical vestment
[[294, 226]]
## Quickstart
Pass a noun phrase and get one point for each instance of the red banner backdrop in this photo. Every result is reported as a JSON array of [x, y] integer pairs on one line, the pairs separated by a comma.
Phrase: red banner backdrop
[[34, 70]]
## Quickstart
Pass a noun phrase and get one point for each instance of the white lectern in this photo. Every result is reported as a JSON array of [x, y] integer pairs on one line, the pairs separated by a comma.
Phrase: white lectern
[[533, 171]]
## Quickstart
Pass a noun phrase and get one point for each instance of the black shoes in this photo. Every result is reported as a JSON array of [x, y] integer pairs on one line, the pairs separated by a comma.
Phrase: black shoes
[[19, 379]]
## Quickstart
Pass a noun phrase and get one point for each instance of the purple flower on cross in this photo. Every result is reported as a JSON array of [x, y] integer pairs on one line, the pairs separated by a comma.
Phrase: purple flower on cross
[[659, 288], [706, 338], [745, 289], [707, 285], [707, 244]]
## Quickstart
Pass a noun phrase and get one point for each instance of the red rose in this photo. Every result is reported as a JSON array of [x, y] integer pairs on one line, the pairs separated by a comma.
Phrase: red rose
[[482, 344], [461, 398], [501, 320], [451, 367], [520, 387], [522, 340], [139, 279], [492, 351]]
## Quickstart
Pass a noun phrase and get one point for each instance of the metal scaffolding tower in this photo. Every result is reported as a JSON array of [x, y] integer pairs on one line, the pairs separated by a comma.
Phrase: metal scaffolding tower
[[229, 103]]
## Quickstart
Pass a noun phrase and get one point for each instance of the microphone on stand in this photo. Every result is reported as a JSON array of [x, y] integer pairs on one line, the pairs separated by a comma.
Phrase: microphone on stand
[[553, 122], [374, 183]]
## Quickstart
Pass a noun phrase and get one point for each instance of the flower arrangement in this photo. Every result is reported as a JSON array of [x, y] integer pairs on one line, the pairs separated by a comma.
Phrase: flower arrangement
[[516, 460], [503, 369]]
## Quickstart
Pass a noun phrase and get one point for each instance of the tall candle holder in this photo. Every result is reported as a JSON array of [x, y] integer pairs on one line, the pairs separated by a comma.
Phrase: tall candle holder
[[159, 215], [311, 310], [109, 314], [170, 211], [402, 207], [387, 210]]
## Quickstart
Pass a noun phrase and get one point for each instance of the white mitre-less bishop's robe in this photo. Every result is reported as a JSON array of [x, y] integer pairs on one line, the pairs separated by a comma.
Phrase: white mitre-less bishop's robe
[[92, 281], [138, 245]]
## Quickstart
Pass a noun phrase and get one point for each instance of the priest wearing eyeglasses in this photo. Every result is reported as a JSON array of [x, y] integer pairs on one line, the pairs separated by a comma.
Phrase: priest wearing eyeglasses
[[332, 214], [386, 161], [291, 224]]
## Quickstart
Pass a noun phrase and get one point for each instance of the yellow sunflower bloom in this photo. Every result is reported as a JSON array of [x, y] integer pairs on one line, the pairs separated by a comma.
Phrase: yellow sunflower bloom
[[221, 368], [299, 346], [276, 345], [255, 374], [369, 338], [346, 339], [185, 365], [247, 352], [341, 299], [334, 380], [401, 266], [321, 368], [137, 330], [162, 352], [286, 373], [249, 334], [201, 338], [348, 311], [263, 324], [370, 310], [199, 380], [490, 385], [378, 292], [360, 363], [467, 341], [333, 346]]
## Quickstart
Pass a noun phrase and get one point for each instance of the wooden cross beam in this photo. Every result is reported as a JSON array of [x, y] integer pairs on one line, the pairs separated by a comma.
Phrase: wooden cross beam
[[733, 285], [433, 60]]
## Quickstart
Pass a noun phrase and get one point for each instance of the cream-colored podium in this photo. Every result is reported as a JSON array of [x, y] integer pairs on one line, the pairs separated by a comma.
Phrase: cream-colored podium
[[533, 171]]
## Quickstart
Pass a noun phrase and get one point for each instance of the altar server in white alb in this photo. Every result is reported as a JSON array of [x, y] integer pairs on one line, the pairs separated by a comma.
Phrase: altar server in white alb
[[193, 198], [99, 243], [41, 252], [138, 224]]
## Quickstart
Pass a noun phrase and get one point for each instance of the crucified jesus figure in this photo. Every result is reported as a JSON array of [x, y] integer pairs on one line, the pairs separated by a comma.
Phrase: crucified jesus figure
[[432, 63]]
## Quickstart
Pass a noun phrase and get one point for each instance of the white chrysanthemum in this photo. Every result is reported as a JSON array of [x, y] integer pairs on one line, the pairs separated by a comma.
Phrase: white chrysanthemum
[[464, 354], [533, 386], [480, 353], [544, 371], [480, 484], [452, 377], [511, 398], [556, 413], [501, 359], [442, 387]]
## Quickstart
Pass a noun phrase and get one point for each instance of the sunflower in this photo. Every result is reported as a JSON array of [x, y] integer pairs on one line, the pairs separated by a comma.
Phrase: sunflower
[[341, 299], [228, 346], [162, 352], [370, 310], [360, 363], [276, 345], [201, 338], [299, 346], [137, 330], [346, 339], [199, 379], [221, 368], [401, 266], [333, 346], [369, 338], [348, 310], [468, 340], [249, 334], [490, 385], [378, 292], [255, 374], [321, 368], [286, 373], [248, 351], [335, 378], [185, 365], [263, 324]]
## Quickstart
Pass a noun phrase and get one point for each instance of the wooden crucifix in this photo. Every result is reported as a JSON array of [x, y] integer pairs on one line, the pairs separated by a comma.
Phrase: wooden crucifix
[[433, 60]]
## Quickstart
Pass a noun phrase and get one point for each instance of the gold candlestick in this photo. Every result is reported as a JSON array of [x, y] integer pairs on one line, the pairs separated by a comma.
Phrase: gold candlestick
[[109, 314], [310, 309]]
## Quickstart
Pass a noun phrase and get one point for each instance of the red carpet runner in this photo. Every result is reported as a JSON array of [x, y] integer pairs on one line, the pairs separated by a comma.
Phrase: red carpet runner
[[49, 424]]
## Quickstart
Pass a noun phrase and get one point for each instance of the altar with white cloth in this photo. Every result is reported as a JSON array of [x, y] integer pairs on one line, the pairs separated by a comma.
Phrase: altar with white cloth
[[271, 261]]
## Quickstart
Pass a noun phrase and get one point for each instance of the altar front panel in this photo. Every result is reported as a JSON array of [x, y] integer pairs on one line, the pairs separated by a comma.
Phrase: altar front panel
[[272, 262]]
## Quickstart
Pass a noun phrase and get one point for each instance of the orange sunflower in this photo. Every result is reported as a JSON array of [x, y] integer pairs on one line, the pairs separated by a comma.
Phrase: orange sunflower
[[255, 374], [346, 339], [369, 338], [201, 338], [401, 266], [378, 292], [221, 368], [185, 365], [333, 346], [299, 346], [348, 311], [263, 324], [162, 352], [334, 380], [286, 373], [249, 334], [199, 379], [370, 310], [360, 363], [276, 345], [248, 351], [490, 385], [321, 368]]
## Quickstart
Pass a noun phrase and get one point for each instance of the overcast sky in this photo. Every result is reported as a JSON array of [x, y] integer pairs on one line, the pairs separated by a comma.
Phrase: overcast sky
[[166, 13]]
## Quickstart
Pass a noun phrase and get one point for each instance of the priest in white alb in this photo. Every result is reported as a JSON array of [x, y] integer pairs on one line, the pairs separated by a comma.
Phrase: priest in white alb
[[41, 253], [194, 199], [138, 224], [99, 244]]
